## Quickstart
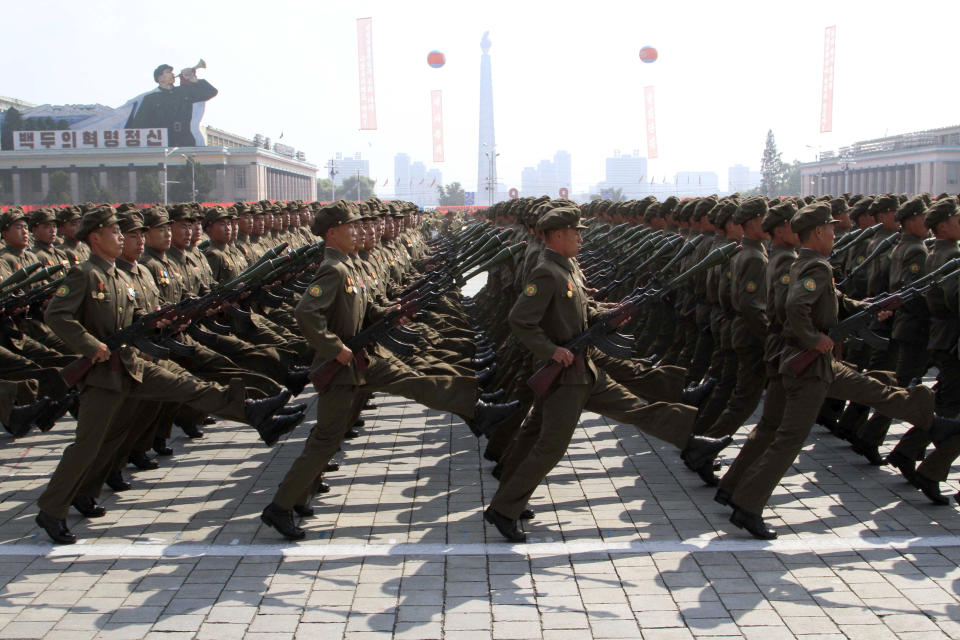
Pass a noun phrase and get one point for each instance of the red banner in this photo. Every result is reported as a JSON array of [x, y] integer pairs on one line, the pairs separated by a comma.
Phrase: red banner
[[436, 107], [826, 104], [651, 122], [368, 104]]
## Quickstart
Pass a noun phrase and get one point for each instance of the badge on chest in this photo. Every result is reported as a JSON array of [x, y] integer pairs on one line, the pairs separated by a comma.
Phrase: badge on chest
[[569, 289]]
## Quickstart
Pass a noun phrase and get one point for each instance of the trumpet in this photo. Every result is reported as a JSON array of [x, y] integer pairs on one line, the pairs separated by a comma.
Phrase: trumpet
[[199, 65]]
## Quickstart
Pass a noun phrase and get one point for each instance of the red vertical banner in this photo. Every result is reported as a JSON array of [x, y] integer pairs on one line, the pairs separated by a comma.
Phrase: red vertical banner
[[368, 104], [648, 103], [826, 103], [436, 109]]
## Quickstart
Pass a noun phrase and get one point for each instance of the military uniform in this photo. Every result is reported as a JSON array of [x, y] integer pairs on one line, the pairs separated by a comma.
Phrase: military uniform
[[552, 310], [330, 313], [811, 308]]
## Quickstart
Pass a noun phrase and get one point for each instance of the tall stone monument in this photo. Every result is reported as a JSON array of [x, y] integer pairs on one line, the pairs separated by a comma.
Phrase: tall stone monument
[[486, 150]]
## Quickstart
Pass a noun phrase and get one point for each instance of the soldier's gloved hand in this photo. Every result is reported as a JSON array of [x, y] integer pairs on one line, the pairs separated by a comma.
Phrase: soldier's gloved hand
[[563, 356]]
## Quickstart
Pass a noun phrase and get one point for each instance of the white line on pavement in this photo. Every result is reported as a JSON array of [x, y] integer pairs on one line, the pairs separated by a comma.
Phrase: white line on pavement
[[816, 544]]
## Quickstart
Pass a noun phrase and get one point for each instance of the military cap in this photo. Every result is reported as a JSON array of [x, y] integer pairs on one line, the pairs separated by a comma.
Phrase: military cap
[[10, 216], [838, 205], [182, 212], [778, 214], [884, 203], [940, 211], [703, 207], [860, 207], [652, 211], [669, 205], [333, 215], [155, 217], [685, 210], [910, 208], [98, 218], [131, 221], [812, 216], [256, 209], [123, 207], [560, 218], [725, 213], [68, 213], [751, 208], [39, 216], [214, 213]]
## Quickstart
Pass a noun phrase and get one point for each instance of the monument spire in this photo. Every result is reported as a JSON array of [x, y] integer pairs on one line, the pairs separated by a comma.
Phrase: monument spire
[[487, 149]]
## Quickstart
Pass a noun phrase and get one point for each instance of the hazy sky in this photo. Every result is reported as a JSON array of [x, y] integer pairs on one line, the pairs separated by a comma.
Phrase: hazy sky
[[565, 75]]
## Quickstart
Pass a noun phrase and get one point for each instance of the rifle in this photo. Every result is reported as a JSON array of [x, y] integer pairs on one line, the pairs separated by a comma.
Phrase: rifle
[[136, 334], [858, 325], [601, 333], [18, 276], [380, 333], [851, 240], [882, 247]]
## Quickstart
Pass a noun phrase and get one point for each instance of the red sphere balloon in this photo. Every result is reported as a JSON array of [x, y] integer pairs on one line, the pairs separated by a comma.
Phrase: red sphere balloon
[[648, 55], [436, 59]]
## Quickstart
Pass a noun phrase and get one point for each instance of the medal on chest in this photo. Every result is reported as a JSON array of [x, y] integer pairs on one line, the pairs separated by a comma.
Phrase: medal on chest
[[569, 289]]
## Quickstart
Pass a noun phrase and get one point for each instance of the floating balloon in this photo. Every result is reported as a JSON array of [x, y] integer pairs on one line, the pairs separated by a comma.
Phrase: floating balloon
[[648, 55], [436, 59]]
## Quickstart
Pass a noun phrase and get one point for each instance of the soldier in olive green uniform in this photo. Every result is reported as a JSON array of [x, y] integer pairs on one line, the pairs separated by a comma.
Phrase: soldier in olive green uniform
[[748, 329], [811, 309], [95, 301], [944, 330], [552, 310], [68, 222], [909, 327], [330, 313]]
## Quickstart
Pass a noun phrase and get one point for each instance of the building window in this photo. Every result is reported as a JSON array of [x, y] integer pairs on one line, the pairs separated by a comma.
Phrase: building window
[[953, 173], [240, 177]]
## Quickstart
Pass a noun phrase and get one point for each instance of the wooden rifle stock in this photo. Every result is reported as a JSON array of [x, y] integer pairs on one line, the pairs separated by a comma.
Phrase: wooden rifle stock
[[543, 378]]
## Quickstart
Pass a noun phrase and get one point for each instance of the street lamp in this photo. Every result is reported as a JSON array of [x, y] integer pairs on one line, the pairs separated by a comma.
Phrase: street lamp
[[166, 154], [491, 171], [332, 167], [193, 176]]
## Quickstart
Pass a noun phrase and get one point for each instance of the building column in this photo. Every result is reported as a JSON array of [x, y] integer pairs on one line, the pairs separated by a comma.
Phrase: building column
[[15, 179], [44, 183], [74, 185], [132, 184]]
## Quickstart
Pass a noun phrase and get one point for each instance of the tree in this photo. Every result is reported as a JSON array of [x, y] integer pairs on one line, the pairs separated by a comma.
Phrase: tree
[[149, 189], [348, 190], [59, 192], [324, 189], [189, 177], [93, 192], [12, 121], [771, 168], [791, 179], [452, 195]]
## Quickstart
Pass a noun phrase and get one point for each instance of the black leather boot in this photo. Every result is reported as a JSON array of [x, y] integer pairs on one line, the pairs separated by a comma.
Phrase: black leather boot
[[257, 412], [753, 524], [697, 396], [507, 527], [55, 528], [487, 417], [282, 520]]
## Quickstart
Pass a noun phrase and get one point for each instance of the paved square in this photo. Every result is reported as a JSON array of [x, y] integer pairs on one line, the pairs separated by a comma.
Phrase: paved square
[[626, 544]]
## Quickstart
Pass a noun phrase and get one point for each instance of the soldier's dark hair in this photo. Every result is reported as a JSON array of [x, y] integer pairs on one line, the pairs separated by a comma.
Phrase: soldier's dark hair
[[159, 70]]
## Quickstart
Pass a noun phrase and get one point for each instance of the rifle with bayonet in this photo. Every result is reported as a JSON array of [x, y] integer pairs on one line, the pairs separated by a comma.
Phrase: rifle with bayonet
[[602, 334], [15, 280], [851, 240], [858, 325], [882, 247]]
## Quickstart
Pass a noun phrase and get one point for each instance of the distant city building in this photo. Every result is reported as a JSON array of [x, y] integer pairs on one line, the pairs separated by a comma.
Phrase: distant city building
[[911, 163], [347, 167], [548, 177], [626, 173], [741, 178], [414, 182]]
